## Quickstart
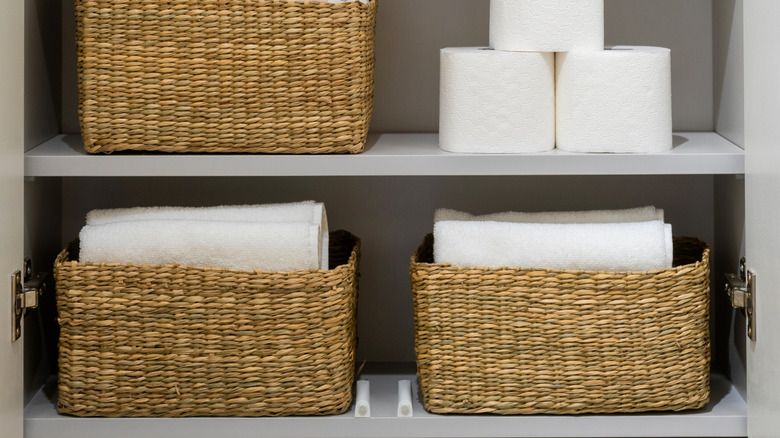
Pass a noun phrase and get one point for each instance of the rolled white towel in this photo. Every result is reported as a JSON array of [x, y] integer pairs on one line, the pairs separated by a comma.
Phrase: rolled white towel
[[245, 246], [630, 246], [306, 211], [640, 214]]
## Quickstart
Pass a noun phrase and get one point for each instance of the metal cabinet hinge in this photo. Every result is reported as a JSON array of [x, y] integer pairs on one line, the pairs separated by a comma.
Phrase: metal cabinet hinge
[[25, 295], [741, 289]]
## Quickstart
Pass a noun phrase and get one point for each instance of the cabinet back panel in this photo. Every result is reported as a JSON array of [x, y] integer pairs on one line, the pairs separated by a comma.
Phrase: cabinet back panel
[[42, 63]]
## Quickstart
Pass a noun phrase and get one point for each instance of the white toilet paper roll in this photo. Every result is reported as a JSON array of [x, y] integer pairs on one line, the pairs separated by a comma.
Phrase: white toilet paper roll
[[547, 25], [496, 102], [616, 100]]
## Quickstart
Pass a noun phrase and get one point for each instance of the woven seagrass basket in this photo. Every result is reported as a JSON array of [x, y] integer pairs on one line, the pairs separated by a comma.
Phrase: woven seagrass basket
[[175, 341], [270, 76], [526, 341]]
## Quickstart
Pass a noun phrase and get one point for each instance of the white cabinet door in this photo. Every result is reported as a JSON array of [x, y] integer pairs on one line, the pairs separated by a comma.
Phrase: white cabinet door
[[11, 207], [762, 210]]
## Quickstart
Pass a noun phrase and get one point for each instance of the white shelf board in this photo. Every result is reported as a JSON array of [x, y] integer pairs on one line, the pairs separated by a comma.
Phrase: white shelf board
[[389, 155], [724, 416]]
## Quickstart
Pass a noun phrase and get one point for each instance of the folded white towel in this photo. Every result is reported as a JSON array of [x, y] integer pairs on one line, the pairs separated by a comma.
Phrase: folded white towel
[[246, 246], [640, 214], [306, 211], [630, 246]]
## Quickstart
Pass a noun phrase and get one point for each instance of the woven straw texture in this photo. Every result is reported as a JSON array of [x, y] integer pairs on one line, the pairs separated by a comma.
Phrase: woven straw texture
[[174, 341], [523, 341], [270, 76]]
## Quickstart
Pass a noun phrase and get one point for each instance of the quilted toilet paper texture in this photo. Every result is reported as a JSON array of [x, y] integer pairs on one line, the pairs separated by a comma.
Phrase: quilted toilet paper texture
[[547, 25], [617, 100], [496, 102]]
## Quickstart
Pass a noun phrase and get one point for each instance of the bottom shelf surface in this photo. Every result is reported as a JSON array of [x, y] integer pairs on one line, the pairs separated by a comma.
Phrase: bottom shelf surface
[[724, 415]]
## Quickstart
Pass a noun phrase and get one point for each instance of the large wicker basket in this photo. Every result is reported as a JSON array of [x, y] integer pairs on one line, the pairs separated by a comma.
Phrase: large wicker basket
[[272, 76], [173, 341], [526, 341]]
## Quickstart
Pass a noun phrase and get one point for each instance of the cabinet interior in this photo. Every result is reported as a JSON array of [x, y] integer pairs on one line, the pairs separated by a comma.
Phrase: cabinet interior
[[391, 214]]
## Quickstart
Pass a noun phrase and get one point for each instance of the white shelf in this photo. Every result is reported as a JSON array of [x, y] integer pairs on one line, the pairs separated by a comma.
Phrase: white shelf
[[391, 155], [724, 416]]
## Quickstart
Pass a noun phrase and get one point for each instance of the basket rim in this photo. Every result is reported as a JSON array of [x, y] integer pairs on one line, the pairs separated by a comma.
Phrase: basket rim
[[428, 239], [323, 4]]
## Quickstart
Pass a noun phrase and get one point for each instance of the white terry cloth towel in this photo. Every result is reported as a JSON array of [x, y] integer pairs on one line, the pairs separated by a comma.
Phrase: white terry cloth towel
[[305, 211], [639, 214], [247, 246], [629, 246]]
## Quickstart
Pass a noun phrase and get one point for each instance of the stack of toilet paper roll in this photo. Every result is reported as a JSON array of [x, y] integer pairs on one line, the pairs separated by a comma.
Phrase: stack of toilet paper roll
[[547, 81]]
